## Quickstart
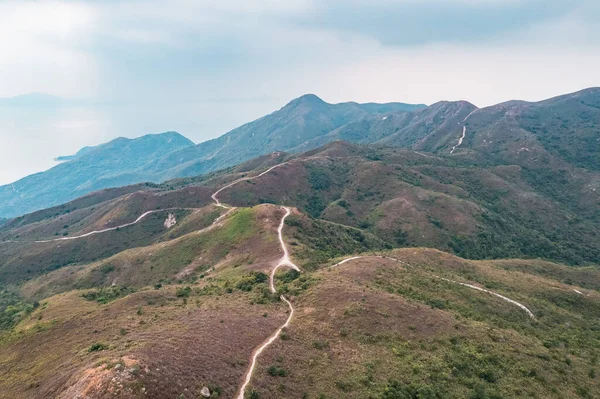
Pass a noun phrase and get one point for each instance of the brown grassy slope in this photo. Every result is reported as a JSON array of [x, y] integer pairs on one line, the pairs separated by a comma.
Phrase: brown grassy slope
[[87, 201], [22, 261], [246, 237], [107, 214], [168, 348], [377, 328]]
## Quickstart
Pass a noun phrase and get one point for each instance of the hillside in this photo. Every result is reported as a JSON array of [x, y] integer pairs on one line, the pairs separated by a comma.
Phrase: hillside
[[562, 131], [407, 198], [301, 120], [350, 270], [205, 298], [404, 198], [117, 163], [156, 158], [555, 141]]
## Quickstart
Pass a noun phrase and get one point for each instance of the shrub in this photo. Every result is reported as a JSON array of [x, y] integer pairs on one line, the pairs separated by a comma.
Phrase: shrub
[[183, 292], [321, 345], [107, 268], [105, 295], [249, 281], [97, 347], [275, 371]]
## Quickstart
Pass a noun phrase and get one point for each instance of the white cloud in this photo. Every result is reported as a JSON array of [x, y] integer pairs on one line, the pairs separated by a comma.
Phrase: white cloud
[[41, 48]]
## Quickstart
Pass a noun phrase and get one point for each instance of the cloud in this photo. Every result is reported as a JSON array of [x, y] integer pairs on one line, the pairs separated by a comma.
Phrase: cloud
[[413, 23], [42, 48]]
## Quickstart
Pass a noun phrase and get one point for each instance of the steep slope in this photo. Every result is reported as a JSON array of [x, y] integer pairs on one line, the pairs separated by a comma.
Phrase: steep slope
[[301, 120], [429, 129], [562, 131], [117, 163]]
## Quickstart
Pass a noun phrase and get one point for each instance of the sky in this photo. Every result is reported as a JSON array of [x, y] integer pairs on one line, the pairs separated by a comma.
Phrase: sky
[[200, 67]]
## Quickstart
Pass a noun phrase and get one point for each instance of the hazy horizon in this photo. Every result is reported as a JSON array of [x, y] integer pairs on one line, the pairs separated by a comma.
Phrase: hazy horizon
[[202, 69]]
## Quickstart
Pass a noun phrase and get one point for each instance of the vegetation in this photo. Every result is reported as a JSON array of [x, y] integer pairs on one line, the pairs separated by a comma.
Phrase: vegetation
[[107, 294], [322, 241], [12, 309], [411, 335], [383, 326]]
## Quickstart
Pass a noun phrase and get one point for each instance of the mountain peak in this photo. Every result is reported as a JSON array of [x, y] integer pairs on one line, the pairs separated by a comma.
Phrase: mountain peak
[[310, 99]]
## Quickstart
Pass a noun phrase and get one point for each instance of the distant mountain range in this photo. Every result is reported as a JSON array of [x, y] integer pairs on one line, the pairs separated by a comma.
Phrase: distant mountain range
[[561, 133], [156, 158], [117, 163]]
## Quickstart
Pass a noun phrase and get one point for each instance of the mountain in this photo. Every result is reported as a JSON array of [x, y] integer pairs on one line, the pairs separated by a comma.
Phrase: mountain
[[120, 162], [560, 131], [426, 129], [551, 138], [303, 119], [190, 286]]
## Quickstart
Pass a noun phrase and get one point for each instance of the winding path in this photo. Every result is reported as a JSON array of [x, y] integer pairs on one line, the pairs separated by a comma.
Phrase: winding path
[[91, 233], [520, 305], [464, 132], [529, 312], [233, 183], [283, 261], [145, 214]]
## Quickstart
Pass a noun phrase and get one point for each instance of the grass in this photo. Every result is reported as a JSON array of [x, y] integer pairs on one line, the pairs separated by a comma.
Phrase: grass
[[375, 328], [315, 241], [81, 337], [104, 295], [369, 328]]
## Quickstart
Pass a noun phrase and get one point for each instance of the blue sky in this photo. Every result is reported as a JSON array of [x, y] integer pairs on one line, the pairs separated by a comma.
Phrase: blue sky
[[203, 67]]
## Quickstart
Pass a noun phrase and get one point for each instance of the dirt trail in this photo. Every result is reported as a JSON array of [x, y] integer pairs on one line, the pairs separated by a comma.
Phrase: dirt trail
[[529, 312], [520, 305], [233, 183], [91, 233], [283, 261], [464, 132]]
